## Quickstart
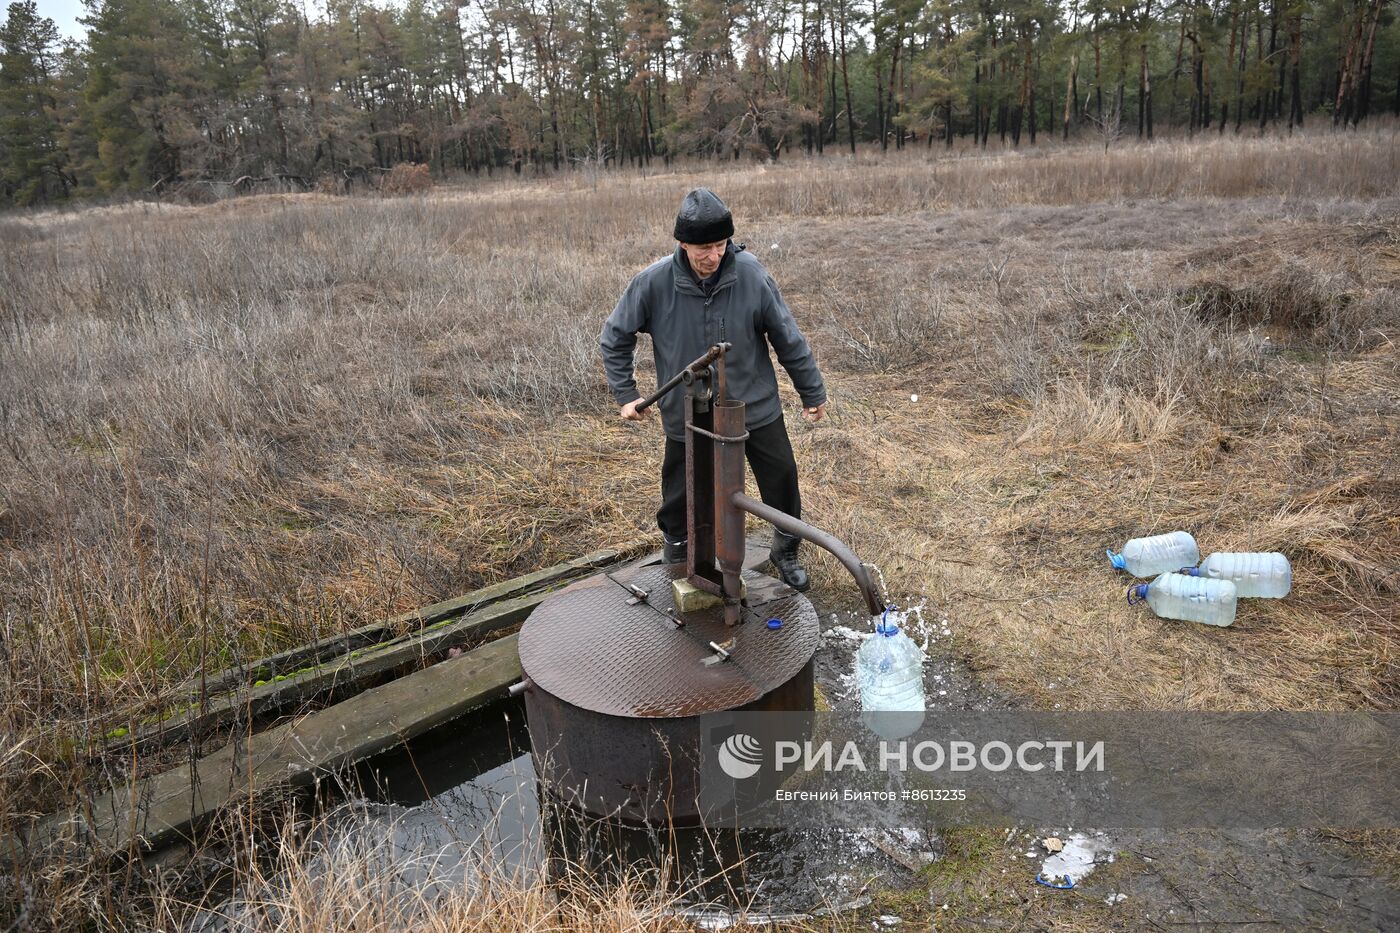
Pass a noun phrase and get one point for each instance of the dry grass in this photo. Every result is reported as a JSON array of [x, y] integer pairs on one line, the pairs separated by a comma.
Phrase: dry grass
[[355, 887], [233, 427]]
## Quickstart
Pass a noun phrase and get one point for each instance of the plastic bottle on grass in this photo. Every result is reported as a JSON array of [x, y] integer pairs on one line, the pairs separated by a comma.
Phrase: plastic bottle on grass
[[1191, 599], [1147, 557], [890, 674], [1260, 575]]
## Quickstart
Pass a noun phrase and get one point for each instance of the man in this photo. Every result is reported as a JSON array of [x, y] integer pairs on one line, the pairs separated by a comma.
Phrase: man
[[707, 292]]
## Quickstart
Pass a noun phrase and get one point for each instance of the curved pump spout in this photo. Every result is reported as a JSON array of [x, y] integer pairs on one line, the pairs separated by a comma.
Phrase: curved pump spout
[[874, 599]]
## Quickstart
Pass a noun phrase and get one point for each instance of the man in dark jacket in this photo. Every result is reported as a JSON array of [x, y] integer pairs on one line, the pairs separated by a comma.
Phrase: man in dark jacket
[[707, 292]]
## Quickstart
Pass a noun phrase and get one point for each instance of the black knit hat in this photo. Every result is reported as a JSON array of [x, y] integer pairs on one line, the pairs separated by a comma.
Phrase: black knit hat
[[703, 218]]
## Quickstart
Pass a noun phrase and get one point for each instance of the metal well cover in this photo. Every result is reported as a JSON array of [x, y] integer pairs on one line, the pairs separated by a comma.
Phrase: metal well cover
[[588, 646]]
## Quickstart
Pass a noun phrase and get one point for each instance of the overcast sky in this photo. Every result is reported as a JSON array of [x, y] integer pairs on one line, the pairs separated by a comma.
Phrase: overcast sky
[[65, 14]]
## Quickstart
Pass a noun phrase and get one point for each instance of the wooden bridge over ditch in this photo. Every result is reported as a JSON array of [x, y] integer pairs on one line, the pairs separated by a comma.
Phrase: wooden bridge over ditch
[[302, 715]]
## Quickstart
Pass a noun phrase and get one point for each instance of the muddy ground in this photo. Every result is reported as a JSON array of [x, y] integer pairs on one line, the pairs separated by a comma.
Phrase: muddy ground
[[1247, 880]]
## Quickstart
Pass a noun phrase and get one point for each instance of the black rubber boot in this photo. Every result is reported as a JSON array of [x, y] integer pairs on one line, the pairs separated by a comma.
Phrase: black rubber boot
[[673, 552], [783, 554]]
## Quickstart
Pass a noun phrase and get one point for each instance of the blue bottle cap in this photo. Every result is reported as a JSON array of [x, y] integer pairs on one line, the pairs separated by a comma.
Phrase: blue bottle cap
[[775, 623]]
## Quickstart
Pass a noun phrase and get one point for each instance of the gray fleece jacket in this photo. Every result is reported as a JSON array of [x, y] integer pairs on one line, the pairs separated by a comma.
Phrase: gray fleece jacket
[[743, 307]]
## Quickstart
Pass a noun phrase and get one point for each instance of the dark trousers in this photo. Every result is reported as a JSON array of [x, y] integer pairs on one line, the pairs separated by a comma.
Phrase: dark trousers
[[770, 457]]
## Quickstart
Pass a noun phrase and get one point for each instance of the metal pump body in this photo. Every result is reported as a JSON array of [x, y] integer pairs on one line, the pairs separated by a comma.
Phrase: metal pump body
[[619, 680]]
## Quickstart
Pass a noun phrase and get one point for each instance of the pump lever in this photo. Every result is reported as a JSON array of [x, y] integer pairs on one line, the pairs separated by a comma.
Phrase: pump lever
[[697, 367]]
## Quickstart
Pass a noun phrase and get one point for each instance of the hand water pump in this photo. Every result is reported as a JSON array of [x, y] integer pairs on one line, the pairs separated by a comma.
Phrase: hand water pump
[[620, 667]]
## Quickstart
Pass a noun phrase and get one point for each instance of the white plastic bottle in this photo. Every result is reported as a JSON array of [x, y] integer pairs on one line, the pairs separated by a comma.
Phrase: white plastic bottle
[[1147, 557], [1191, 599], [1264, 575], [890, 674]]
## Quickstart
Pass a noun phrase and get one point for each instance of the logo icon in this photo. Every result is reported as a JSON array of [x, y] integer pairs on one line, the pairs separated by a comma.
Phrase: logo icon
[[740, 756]]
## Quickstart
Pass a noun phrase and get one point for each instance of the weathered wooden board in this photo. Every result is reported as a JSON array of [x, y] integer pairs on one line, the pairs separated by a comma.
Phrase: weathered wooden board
[[295, 659], [155, 809], [315, 669], [341, 675]]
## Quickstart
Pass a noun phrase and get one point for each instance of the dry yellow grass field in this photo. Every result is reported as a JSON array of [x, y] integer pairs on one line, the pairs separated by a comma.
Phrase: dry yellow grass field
[[235, 427]]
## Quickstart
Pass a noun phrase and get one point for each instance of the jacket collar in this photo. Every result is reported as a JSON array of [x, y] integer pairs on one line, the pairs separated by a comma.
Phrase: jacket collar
[[684, 279]]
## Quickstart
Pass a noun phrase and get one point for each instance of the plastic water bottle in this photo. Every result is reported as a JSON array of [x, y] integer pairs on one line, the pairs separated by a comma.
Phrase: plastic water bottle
[[890, 674], [1267, 575], [1192, 599], [1147, 557]]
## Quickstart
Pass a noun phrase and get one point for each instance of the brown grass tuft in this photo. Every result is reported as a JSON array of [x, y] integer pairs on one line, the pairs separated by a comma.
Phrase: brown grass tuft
[[407, 178]]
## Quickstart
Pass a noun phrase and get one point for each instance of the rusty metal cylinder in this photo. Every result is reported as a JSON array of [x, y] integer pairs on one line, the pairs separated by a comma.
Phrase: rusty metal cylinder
[[620, 687], [729, 519]]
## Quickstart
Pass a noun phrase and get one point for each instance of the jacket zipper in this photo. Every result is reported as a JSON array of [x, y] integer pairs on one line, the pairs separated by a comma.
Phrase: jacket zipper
[[709, 298]]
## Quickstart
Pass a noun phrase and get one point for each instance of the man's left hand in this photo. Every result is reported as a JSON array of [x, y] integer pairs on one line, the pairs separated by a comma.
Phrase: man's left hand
[[814, 414]]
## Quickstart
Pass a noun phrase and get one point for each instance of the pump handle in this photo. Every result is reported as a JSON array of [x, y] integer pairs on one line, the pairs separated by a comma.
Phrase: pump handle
[[698, 367]]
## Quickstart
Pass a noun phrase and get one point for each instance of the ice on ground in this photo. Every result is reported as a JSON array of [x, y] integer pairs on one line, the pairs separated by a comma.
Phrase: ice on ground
[[1077, 859]]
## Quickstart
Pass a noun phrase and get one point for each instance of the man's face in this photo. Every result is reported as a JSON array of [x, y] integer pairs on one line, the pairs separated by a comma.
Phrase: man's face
[[704, 257]]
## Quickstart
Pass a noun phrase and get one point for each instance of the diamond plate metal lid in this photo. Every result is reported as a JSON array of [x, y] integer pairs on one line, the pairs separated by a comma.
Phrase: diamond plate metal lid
[[588, 646]]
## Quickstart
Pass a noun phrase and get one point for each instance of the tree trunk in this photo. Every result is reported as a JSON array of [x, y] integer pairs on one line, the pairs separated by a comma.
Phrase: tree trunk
[[1028, 84], [1239, 81], [1295, 53], [1176, 69], [889, 92], [846, 80], [976, 102], [1229, 63], [1098, 78], [1142, 92], [1275, 103], [1147, 91], [835, 112], [1071, 90], [1364, 101], [1206, 100], [880, 104], [1347, 67]]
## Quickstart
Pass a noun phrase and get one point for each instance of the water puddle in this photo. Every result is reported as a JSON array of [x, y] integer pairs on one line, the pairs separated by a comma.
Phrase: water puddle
[[462, 803]]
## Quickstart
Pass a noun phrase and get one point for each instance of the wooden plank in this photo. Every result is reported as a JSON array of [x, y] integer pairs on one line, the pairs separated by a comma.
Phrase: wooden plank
[[155, 809], [299, 657], [360, 666], [359, 660], [345, 674]]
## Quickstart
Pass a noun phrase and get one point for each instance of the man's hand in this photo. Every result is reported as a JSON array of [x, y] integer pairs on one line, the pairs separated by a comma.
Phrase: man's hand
[[814, 414], [629, 411]]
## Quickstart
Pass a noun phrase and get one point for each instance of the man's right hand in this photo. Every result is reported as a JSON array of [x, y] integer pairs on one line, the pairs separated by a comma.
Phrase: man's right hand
[[629, 411]]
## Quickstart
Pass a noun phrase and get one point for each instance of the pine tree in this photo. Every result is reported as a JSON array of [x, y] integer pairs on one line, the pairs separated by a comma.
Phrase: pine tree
[[140, 87], [32, 162]]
